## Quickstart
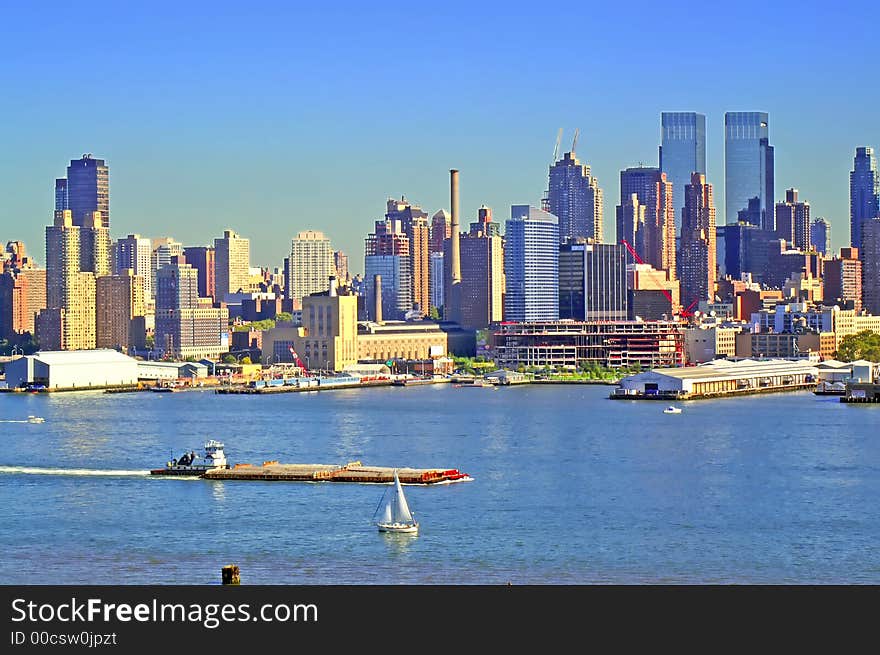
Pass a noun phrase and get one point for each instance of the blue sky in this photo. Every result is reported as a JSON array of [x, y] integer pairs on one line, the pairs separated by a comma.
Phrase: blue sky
[[278, 117]]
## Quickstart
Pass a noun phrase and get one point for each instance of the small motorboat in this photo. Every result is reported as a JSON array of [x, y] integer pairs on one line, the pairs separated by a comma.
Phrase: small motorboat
[[36, 419], [672, 410]]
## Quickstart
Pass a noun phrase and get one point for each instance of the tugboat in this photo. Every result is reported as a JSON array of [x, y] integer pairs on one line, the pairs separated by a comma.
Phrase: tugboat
[[192, 464]]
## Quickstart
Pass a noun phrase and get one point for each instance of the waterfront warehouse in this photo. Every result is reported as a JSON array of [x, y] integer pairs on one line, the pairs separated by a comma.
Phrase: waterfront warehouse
[[72, 369], [720, 377]]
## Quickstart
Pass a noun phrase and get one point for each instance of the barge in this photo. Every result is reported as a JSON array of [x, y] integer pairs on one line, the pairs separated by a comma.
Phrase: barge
[[213, 466]]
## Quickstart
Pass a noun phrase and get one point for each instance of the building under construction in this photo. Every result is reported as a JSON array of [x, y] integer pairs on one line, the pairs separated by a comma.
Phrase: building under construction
[[615, 344]]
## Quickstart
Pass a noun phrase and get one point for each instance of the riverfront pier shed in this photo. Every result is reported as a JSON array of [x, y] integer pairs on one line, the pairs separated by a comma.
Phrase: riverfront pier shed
[[719, 378]]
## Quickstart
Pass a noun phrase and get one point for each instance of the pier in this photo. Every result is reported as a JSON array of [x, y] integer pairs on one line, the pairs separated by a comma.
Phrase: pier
[[719, 378], [861, 392]]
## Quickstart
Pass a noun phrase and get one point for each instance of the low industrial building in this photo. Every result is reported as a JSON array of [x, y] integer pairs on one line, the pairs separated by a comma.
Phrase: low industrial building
[[331, 338], [807, 344], [719, 378], [407, 340], [72, 369], [704, 343], [171, 370]]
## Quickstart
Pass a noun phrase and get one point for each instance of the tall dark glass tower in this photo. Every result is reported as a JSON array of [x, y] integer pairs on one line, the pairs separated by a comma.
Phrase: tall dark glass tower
[[682, 152], [864, 193], [61, 194], [748, 166], [87, 189], [575, 198]]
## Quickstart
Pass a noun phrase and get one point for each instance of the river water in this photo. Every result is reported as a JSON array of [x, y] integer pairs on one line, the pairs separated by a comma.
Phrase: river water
[[569, 487]]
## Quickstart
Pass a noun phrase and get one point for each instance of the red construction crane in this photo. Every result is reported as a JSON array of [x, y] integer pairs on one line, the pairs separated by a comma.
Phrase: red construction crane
[[686, 313], [299, 362]]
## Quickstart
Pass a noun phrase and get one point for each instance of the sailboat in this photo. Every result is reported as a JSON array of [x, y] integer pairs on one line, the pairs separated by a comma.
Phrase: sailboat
[[393, 513]]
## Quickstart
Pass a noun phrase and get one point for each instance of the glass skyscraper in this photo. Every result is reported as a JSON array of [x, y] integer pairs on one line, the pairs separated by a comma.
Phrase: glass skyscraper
[[87, 190], [864, 193], [575, 198], [748, 166], [653, 190], [531, 265], [820, 236], [682, 152], [395, 280]]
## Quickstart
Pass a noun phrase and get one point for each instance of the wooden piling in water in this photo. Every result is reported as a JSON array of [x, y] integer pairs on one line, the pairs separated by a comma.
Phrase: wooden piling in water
[[230, 574]]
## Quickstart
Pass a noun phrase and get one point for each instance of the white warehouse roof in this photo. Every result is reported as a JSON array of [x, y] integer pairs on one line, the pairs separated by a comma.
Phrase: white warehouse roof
[[80, 357]]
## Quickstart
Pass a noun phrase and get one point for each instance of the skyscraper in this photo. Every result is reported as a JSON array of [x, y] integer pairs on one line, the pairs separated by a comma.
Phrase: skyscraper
[[820, 235], [232, 257], [793, 221], [163, 250], [185, 325], [682, 152], [414, 223], [605, 297], [531, 265], [340, 262], [630, 224], [748, 165], [655, 192], [842, 277], [395, 298], [61, 201], [118, 305], [86, 190], [592, 281], [575, 198], [482, 278], [135, 252], [201, 258], [311, 265], [22, 292], [68, 322], [484, 223], [698, 242], [95, 246], [437, 279], [870, 255], [864, 193], [441, 228]]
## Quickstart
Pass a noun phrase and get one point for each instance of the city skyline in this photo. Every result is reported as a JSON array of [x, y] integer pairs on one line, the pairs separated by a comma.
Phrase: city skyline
[[291, 124]]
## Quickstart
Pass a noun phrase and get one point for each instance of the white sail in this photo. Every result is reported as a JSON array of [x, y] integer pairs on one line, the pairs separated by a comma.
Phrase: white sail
[[402, 513], [385, 514]]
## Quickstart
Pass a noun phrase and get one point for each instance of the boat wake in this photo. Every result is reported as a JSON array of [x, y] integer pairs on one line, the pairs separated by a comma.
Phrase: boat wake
[[34, 470]]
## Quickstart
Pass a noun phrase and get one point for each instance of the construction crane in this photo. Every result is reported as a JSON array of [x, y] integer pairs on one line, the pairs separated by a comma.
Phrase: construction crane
[[299, 362], [556, 149], [574, 140], [685, 313]]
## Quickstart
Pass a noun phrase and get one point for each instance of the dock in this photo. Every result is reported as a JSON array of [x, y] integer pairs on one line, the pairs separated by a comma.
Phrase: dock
[[351, 472], [861, 392]]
